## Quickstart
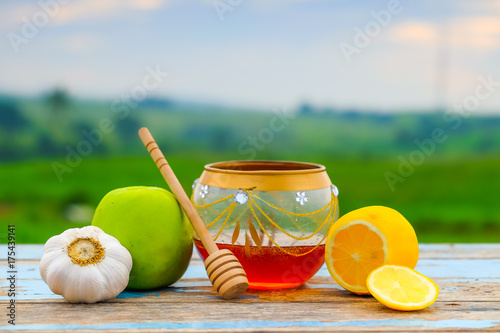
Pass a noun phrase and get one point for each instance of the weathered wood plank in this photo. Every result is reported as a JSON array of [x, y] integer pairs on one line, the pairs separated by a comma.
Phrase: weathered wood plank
[[319, 290], [459, 251], [345, 315], [469, 301], [342, 306], [380, 329], [474, 280]]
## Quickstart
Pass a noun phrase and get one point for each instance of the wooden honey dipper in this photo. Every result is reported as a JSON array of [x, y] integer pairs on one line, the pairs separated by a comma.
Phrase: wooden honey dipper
[[223, 268]]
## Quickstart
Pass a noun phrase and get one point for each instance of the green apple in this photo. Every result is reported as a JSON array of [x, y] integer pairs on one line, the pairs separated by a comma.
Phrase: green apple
[[149, 222]]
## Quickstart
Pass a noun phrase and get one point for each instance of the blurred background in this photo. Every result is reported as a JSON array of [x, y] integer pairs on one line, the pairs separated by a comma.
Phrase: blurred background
[[400, 101]]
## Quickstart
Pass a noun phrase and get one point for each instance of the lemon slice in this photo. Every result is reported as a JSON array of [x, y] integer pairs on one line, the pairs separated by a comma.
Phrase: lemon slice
[[351, 261], [401, 288]]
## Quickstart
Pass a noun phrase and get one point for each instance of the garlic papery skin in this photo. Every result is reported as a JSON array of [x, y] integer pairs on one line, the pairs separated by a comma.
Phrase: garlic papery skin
[[85, 265]]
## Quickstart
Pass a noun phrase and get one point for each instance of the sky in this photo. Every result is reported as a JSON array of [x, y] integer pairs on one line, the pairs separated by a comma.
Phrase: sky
[[389, 56]]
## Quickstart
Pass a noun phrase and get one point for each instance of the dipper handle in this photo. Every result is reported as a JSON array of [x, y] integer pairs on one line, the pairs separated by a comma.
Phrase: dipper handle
[[178, 191], [223, 268]]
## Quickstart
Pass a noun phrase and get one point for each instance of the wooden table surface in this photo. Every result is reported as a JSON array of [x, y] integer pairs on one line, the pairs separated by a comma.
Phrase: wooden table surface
[[468, 276]]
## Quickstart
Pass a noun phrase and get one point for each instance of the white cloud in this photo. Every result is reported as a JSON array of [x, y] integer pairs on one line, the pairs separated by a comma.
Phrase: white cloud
[[85, 10], [146, 4], [397, 70], [481, 32], [100, 9], [13, 14], [414, 32]]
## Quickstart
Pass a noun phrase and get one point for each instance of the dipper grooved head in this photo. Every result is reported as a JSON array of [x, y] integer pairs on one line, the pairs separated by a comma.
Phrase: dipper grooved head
[[226, 274]]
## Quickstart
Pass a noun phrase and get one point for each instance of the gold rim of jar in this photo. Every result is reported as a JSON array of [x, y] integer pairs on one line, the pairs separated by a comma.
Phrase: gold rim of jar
[[266, 175]]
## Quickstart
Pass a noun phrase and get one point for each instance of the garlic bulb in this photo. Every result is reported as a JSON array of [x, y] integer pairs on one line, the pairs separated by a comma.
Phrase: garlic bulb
[[85, 265]]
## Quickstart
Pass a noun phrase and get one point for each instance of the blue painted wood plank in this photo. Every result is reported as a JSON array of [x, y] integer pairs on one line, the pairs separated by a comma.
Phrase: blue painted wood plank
[[471, 268], [31, 286], [445, 323], [23, 251], [452, 273]]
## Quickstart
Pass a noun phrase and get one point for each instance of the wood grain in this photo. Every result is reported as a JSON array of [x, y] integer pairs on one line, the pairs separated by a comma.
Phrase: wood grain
[[460, 251]]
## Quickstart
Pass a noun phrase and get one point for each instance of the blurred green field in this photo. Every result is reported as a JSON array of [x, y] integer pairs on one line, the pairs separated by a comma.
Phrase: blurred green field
[[451, 197], [446, 200]]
